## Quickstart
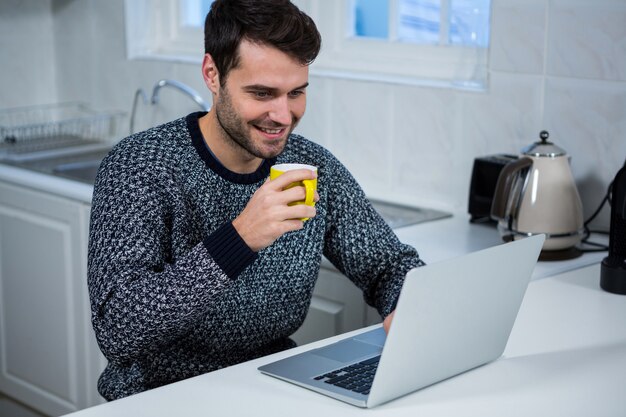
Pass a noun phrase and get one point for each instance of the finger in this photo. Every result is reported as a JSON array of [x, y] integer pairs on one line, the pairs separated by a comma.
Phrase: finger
[[387, 321], [291, 195], [299, 211], [291, 225], [289, 177], [317, 196]]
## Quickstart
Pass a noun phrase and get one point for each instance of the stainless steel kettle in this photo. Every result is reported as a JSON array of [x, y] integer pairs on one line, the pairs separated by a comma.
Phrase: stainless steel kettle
[[537, 194]]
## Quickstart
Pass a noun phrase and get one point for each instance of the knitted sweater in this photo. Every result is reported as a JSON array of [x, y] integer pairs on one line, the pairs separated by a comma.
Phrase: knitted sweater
[[176, 292]]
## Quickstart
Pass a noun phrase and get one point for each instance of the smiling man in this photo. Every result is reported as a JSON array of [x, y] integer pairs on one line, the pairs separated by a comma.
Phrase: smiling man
[[196, 260], [257, 109]]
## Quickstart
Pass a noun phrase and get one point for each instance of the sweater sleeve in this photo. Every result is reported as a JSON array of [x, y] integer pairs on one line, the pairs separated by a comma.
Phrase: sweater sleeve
[[361, 244], [142, 295]]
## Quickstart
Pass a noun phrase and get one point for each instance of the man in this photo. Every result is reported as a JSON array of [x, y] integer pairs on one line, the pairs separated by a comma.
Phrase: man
[[196, 260]]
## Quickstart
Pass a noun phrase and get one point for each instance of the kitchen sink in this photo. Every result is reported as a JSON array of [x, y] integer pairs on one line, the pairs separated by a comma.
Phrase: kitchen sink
[[78, 166], [397, 215], [84, 171]]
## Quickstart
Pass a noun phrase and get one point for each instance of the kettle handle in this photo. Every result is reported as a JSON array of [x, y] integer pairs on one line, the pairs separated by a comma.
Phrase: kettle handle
[[504, 186]]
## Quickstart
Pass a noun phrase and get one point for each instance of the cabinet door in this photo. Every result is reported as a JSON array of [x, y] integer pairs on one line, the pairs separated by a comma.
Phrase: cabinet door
[[337, 307], [42, 289]]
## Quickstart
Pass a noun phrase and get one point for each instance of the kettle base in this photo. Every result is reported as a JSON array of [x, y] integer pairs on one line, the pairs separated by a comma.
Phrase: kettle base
[[560, 255]]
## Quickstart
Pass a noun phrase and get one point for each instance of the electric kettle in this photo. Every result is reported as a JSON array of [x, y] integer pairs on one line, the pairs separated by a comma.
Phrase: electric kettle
[[537, 194]]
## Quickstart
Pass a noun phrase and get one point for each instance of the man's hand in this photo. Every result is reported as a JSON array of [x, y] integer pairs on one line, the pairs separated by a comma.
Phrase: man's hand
[[267, 216], [387, 321]]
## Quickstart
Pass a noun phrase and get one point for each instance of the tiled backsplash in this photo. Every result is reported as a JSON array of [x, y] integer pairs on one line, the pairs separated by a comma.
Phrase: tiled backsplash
[[27, 59], [558, 65]]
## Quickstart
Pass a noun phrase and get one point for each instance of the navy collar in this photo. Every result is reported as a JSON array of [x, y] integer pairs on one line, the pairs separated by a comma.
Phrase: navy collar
[[214, 164]]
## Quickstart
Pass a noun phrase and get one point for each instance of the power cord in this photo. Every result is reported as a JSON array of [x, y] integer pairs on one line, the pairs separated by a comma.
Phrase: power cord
[[599, 247]]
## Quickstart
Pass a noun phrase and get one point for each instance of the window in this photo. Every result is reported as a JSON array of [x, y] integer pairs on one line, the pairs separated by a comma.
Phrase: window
[[456, 22], [193, 12], [165, 29], [435, 42]]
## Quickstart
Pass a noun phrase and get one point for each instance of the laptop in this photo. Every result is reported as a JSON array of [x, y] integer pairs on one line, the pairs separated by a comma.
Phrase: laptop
[[451, 316]]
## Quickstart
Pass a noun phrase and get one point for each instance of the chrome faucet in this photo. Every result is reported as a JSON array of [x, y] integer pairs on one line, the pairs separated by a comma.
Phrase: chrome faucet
[[155, 97], [181, 87]]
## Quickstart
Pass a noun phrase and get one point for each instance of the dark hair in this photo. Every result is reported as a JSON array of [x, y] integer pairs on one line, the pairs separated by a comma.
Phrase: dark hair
[[276, 23]]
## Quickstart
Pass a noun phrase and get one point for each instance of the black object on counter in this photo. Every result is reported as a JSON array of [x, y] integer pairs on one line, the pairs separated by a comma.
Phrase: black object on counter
[[613, 270], [485, 175]]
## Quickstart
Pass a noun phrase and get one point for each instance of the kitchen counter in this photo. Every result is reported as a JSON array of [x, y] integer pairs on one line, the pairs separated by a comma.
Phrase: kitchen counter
[[455, 236], [566, 357], [435, 240], [447, 238], [41, 181]]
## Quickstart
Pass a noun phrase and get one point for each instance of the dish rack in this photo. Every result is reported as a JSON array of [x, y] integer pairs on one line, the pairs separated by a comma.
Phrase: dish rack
[[34, 132]]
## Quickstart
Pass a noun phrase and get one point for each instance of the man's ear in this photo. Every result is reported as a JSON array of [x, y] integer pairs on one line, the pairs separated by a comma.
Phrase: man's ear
[[210, 74]]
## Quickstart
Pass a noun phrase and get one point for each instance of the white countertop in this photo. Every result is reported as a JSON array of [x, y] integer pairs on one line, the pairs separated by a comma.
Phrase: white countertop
[[566, 357], [455, 236], [62, 187]]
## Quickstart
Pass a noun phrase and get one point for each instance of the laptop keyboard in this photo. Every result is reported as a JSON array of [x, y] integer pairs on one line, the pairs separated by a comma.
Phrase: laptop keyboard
[[357, 377]]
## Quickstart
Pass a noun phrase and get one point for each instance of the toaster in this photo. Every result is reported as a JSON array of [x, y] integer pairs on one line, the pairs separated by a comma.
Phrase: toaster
[[483, 182]]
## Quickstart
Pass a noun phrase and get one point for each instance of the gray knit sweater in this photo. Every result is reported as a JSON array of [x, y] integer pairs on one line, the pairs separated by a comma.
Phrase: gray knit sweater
[[175, 291]]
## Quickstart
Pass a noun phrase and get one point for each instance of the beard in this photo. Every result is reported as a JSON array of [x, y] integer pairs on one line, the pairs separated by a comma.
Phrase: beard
[[237, 132]]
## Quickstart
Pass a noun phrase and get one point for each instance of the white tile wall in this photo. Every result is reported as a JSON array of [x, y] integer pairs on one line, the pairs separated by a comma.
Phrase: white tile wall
[[588, 119], [427, 145], [558, 65], [314, 125], [523, 24], [364, 147], [587, 39], [27, 55]]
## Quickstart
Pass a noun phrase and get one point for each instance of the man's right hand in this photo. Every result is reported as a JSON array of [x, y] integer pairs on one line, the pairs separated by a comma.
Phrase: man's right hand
[[268, 216]]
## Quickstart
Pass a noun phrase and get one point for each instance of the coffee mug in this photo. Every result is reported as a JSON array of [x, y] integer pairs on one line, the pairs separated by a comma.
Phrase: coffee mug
[[309, 185]]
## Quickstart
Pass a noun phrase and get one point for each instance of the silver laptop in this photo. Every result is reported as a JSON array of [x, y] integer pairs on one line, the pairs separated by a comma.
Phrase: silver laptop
[[452, 316]]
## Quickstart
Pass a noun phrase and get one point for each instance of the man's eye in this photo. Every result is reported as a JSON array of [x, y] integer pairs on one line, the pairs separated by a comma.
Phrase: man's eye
[[296, 93], [261, 94]]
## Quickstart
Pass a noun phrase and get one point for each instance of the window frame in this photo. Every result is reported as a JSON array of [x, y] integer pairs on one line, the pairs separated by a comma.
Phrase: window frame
[[154, 31], [378, 60], [388, 61]]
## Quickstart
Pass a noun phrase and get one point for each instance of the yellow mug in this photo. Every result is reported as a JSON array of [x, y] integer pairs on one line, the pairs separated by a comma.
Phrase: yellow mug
[[309, 185]]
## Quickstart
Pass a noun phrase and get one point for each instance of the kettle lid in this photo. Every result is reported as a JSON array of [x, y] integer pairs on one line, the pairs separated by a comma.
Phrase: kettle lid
[[543, 147]]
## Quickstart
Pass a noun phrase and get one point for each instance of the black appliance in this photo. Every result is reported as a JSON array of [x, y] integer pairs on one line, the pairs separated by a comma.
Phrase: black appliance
[[485, 175], [613, 270]]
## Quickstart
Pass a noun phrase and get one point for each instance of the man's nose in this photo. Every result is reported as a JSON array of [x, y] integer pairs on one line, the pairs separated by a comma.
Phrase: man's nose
[[281, 110]]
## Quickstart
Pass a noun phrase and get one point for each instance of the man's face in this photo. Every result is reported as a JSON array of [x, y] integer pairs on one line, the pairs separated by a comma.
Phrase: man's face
[[262, 101]]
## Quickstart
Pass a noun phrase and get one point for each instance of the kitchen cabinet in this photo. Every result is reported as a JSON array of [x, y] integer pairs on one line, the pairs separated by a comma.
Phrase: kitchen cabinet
[[49, 357], [337, 307]]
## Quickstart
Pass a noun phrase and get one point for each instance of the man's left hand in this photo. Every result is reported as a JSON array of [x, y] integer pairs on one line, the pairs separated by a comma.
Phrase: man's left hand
[[387, 321]]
